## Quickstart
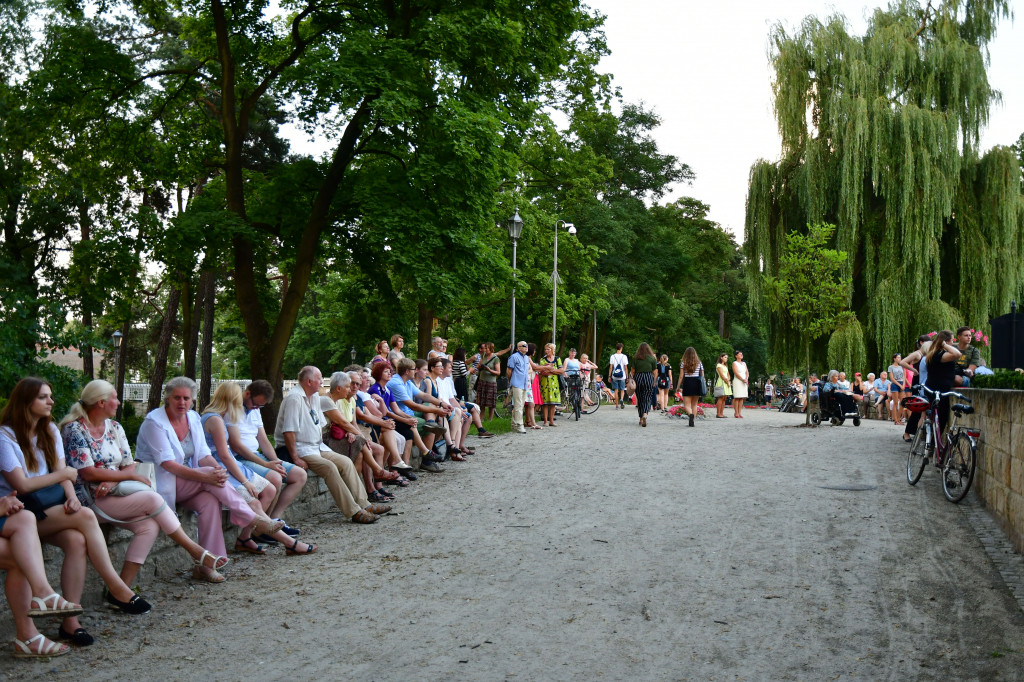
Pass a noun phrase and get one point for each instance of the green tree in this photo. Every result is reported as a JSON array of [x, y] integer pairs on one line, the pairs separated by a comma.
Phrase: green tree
[[810, 290], [880, 137]]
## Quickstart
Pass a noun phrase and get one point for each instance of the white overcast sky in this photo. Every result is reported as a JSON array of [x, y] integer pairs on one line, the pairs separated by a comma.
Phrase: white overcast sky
[[703, 67]]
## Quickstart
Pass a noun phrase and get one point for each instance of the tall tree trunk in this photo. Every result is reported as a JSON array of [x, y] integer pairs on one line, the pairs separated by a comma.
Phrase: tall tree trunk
[[721, 322], [208, 293], [156, 384], [600, 346], [424, 329]]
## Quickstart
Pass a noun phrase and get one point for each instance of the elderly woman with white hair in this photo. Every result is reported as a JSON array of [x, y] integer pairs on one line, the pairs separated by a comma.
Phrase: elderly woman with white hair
[[172, 438], [96, 446], [345, 438]]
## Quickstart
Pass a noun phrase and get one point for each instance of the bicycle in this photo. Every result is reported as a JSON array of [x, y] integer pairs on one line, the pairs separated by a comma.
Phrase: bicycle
[[956, 456], [503, 404]]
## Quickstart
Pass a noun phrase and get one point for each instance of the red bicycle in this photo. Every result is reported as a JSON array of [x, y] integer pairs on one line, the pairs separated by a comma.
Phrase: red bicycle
[[955, 455]]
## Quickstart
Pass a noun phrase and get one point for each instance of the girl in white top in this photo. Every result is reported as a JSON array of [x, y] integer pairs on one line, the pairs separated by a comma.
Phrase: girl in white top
[[29, 462], [740, 384]]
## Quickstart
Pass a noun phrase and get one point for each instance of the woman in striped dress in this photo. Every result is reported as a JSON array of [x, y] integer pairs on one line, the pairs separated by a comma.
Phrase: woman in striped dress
[[642, 371], [693, 381]]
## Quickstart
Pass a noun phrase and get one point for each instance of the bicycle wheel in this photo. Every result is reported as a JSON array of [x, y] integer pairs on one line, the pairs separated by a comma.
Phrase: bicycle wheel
[[917, 458], [958, 470], [592, 395], [503, 404]]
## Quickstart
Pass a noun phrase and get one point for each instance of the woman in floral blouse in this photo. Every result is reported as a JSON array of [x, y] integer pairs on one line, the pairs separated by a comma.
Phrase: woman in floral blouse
[[95, 444]]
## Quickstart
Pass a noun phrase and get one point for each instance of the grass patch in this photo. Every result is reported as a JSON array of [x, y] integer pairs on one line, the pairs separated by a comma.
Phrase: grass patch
[[499, 425]]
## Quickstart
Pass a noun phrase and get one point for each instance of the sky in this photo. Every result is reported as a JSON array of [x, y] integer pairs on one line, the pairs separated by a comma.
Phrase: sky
[[703, 67]]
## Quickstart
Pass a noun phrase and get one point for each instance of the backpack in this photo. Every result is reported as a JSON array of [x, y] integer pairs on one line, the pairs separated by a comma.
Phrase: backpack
[[619, 372]]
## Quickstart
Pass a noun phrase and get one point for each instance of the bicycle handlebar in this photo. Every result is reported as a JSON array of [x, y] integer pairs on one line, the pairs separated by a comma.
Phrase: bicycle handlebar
[[948, 394]]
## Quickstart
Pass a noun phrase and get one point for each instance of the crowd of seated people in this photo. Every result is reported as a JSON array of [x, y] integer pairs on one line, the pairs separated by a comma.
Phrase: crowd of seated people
[[59, 481]]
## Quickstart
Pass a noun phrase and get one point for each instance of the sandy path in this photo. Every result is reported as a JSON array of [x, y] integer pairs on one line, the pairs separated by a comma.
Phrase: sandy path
[[602, 550]]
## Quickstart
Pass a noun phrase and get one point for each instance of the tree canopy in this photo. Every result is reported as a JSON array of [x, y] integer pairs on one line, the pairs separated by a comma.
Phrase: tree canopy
[[880, 137]]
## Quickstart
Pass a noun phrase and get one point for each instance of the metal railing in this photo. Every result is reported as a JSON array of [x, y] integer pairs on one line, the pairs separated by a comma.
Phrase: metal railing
[[139, 393]]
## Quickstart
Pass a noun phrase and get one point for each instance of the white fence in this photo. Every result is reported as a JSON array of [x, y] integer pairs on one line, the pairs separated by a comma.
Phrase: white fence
[[139, 393]]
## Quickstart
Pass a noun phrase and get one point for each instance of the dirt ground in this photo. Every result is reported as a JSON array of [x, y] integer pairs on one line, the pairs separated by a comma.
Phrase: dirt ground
[[600, 550]]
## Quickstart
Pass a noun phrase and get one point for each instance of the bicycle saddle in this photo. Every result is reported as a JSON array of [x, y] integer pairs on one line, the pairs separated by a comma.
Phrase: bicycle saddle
[[963, 409]]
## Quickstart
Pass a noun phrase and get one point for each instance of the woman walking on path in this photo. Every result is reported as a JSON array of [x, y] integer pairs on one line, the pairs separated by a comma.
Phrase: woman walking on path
[[740, 384], [693, 381], [549, 389], [664, 382], [642, 370]]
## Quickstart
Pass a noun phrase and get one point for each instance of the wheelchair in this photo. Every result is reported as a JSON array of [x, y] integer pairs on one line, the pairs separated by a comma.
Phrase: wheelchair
[[836, 408]]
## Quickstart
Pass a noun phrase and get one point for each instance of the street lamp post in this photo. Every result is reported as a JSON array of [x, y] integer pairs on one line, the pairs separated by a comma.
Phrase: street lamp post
[[116, 338], [515, 229], [554, 282], [235, 373], [352, 353]]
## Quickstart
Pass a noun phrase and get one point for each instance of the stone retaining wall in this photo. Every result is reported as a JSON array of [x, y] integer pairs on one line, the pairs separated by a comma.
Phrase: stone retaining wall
[[999, 481], [167, 559]]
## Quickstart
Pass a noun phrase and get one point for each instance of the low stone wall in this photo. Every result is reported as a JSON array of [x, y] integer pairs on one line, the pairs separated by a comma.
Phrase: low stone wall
[[999, 481], [166, 558]]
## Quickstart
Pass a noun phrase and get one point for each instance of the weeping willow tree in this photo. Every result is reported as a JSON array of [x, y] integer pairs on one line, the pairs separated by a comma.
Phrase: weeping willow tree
[[880, 137]]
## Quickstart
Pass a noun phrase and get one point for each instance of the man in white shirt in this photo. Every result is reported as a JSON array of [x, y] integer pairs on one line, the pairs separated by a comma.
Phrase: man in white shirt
[[437, 350], [299, 430], [251, 447], [617, 371]]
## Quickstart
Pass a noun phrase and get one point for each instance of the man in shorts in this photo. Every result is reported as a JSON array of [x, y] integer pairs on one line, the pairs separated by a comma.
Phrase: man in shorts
[[617, 371]]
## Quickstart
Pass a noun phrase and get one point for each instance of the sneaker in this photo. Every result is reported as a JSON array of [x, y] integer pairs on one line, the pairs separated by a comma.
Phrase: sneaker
[[288, 529], [265, 539], [410, 475], [432, 467], [484, 433]]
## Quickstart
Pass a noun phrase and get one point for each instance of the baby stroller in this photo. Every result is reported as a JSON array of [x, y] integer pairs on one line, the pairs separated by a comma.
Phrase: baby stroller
[[835, 407]]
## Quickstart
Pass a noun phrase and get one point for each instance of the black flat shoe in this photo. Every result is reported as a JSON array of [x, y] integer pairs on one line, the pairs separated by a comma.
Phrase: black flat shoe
[[133, 607], [79, 637]]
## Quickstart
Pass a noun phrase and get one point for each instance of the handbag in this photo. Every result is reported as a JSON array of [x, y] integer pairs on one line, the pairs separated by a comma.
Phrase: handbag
[[126, 488], [40, 500], [630, 386], [338, 433], [704, 385], [719, 391]]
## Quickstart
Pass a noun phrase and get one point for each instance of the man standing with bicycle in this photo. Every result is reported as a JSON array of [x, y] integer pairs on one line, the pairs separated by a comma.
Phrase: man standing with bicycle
[[518, 380]]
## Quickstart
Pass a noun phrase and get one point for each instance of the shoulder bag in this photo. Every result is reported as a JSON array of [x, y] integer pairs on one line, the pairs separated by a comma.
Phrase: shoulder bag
[[630, 387], [704, 383], [126, 488]]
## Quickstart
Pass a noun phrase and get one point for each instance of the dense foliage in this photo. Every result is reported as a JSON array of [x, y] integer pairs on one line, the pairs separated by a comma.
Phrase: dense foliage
[[148, 187], [880, 137]]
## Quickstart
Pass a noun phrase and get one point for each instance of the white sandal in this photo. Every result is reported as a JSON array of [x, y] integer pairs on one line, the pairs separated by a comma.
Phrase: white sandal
[[47, 648], [200, 562], [61, 607]]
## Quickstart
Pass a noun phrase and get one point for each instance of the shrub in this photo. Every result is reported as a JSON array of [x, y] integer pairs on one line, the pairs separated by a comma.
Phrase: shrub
[[1002, 378]]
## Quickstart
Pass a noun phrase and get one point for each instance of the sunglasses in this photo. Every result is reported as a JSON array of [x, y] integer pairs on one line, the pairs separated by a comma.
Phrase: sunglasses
[[314, 417]]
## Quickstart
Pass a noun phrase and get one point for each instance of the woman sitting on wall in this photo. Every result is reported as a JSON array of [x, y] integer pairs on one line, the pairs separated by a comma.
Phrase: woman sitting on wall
[[172, 439], [95, 444], [259, 493], [32, 464]]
